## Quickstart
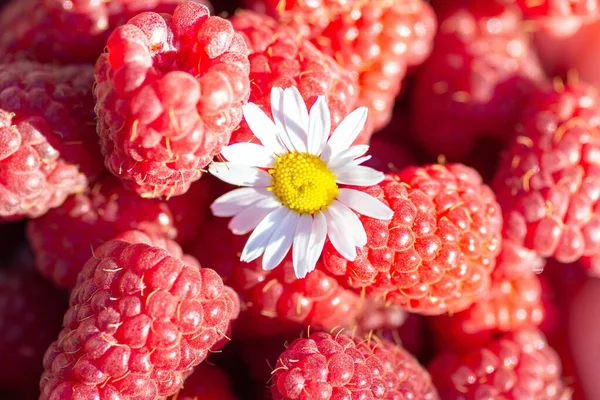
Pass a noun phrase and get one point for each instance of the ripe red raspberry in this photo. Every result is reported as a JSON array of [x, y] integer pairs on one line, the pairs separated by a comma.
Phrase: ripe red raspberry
[[376, 315], [510, 305], [139, 320], [31, 312], [476, 80], [66, 32], [170, 90], [518, 365], [274, 302], [279, 57], [48, 148], [437, 253], [560, 17], [207, 382], [548, 182], [66, 237], [326, 367]]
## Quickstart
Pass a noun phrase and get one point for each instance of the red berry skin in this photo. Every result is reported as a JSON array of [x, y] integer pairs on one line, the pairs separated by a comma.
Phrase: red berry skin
[[52, 31], [207, 382], [274, 302], [518, 365], [560, 18], [281, 57], [140, 319], [31, 312], [437, 253], [326, 367], [64, 238], [169, 93], [548, 181], [474, 84], [48, 148]]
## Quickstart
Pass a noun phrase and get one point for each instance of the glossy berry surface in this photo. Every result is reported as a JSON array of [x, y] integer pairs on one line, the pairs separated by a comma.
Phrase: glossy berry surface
[[169, 92], [515, 366], [336, 367], [48, 148], [139, 320], [437, 253]]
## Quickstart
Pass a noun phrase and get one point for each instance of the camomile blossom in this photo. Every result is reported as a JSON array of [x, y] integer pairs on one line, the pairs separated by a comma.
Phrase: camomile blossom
[[291, 196]]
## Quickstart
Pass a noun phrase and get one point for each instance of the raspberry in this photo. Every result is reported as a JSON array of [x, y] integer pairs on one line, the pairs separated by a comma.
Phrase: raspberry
[[376, 315], [548, 182], [31, 311], [140, 319], [274, 302], [48, 148], [66, 237], [170, 91], [207, 383], [476, 80], [518, 365], [279, 57], [562, 17], [387, 156], [510, 305], [339, 367], [72, 32], [437, 253]]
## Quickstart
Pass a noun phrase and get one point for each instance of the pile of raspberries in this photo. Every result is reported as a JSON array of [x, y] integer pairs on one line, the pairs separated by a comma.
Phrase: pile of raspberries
[[118, 283]]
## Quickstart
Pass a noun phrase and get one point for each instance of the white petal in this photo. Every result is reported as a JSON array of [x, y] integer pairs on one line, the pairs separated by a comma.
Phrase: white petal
[[301, 245], [240, 175], [236, 201], [365, 204], [350, 222], [342, 242], [348, 130], [295, 118], [317, 240], [359, 176], [278, 116], [263, 128], [250, 217], [280, 242], [251, 154], [346, 156], [256, 244], [319, 125]]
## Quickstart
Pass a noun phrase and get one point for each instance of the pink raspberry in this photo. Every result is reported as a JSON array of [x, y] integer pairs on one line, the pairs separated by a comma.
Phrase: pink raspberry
[[437, 253], [548, 181], [48, 149], [518, 365], [207, 382], [326, 367], [140, 319], [31, 312], [66, 237], [280, 57], [474, 84], [66, 32], [274, 302], [169, 92]]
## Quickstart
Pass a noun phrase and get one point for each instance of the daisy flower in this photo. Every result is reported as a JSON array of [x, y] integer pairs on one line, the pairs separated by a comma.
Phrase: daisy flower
[[291, 196]]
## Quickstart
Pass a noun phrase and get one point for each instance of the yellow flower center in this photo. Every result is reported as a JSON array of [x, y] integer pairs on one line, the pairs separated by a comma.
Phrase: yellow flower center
[[303, 183]]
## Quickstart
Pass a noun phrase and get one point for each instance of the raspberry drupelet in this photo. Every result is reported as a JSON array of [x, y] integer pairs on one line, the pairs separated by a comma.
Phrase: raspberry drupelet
[[281, 57], [65, 238], [336, 367], [169, 92], [274, 302], [518, 365], [140, 319], [548, 181], [476, 80], [48, 148], [437, 253], [57, 31]]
